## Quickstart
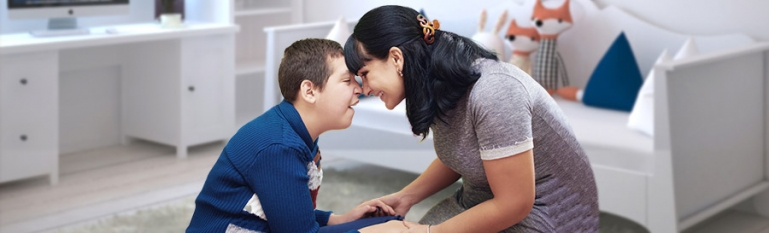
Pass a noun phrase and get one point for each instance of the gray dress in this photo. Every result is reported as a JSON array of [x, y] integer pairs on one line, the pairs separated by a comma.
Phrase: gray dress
[[505, 113]]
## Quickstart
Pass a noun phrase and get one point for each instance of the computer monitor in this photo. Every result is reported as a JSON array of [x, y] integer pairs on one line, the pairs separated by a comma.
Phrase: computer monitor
[[62, 14]]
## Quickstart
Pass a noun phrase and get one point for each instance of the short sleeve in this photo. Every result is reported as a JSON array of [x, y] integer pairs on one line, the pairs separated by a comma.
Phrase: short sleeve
[[502, 111]]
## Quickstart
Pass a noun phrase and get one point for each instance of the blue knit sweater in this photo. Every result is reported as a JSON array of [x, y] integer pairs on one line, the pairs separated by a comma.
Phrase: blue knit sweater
[[268, 157]]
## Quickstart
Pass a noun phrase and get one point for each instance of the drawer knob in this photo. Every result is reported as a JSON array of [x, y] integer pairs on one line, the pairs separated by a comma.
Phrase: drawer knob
[[191, 88], [23, 81], [23, 137]]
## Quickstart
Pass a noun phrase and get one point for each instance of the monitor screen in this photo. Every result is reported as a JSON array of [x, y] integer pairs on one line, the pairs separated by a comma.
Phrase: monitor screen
[[21, 4], [34, 9]]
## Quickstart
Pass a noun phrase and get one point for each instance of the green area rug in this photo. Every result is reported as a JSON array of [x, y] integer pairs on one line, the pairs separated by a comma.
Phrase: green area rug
[[342, 189]]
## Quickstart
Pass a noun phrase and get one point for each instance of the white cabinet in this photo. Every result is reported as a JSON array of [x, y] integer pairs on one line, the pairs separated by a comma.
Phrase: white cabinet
[[208, 102], [176, 85], [29, 120], [250, 49], [179, 92]]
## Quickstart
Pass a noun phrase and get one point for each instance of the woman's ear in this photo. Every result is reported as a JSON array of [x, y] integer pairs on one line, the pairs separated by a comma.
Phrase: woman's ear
[[307, 91], [396, 56]]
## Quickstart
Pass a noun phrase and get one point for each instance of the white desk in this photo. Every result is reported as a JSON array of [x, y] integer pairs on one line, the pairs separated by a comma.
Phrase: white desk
[[177, 88]]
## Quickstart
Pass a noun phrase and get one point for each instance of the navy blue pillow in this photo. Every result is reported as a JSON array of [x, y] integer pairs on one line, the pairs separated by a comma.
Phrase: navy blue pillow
[[616, 80]]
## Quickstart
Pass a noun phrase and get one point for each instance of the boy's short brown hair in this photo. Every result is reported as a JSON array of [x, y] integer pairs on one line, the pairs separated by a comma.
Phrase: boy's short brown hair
[[307, 59]]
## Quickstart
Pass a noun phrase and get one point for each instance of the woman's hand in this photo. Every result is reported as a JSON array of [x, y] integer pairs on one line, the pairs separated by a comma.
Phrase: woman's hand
[[391, 226], [366, 209], [398, 202]]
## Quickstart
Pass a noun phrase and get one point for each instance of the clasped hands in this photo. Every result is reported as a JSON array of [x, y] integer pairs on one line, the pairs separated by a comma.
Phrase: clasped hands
[[386, 206]]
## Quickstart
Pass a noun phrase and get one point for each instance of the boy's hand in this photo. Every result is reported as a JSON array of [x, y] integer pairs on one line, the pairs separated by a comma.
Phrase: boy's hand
[[398, 202], [370, 208]]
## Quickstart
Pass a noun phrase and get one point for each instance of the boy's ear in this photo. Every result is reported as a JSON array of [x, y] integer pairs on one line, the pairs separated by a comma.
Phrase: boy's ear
[[307, 91], [396, 56]]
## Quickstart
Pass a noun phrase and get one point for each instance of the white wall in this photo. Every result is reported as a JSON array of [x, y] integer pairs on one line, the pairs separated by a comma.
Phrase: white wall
[[89, 98], [458, 16], [702, 17], [699, 17]]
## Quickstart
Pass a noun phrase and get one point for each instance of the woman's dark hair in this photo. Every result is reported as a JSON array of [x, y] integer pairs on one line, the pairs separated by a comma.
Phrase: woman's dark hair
[[435, 76]]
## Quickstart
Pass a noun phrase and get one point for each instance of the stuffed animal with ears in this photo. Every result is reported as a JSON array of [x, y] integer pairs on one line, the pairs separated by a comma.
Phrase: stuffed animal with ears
[[524, 40], [491, 40], [549, 69]]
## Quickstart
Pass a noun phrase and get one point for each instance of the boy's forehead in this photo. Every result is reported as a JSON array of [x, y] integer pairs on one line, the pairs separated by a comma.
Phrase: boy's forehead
[[338, 66]]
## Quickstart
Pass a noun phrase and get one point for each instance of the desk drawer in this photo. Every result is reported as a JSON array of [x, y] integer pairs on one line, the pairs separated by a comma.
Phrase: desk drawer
[[28, 115], [26, 151]]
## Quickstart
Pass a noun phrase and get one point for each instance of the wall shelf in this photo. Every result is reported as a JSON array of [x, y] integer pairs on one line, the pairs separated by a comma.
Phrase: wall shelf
[[251, 48], [249, 67], [267, 11]]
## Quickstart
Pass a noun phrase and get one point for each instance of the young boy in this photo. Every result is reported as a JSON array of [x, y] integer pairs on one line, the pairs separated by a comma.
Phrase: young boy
[[266, 178]]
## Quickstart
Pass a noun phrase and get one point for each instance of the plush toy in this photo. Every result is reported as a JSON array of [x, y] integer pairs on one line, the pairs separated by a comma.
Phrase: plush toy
[[548, 65], [491, 41], [524, 40]]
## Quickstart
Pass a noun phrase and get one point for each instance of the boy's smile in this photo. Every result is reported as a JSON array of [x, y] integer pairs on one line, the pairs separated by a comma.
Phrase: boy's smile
[[340, 90]]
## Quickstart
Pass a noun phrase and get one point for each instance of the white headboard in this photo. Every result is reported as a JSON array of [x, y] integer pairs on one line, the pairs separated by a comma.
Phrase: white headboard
[[278, 39], [583, 45]]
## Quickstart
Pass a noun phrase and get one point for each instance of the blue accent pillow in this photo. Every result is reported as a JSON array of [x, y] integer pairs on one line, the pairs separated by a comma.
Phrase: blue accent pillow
[[616, 80]]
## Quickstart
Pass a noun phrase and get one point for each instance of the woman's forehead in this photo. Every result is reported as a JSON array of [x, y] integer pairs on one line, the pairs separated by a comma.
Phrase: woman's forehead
[[356, 55]]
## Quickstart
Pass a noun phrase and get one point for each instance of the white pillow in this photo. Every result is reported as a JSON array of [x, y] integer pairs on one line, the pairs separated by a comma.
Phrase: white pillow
[[688, 50], [340, 32], [642, 116]]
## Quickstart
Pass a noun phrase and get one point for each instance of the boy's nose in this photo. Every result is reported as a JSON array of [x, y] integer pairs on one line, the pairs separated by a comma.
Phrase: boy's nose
[[358, 90]]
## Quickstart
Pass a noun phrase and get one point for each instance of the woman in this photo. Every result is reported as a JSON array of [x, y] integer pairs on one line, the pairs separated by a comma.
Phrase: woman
[[486, 117]]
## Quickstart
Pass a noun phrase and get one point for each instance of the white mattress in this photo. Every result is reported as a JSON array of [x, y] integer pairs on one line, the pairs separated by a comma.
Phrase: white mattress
[[372, 113], [602, 133]]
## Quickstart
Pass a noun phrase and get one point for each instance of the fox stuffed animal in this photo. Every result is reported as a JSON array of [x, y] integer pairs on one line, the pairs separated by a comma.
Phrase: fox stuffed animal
[[524, 40], [548, 67]]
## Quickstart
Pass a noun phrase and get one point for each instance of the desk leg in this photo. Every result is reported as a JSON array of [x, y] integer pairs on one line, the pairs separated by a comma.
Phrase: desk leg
[[181, 152], [126, 140], [54, 176]]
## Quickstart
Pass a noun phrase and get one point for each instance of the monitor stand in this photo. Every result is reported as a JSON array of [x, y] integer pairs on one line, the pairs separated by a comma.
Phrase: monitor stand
[[61, 27]]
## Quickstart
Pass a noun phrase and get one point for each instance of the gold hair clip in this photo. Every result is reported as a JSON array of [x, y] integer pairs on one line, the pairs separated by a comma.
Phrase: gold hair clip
[[428, 28]]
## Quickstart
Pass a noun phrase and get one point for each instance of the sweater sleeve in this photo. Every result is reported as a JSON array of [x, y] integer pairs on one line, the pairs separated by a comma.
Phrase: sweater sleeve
[[278, 175], [322, 217]]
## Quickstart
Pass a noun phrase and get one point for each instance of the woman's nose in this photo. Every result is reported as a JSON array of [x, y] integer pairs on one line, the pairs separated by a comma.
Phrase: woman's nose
[[366, 89]]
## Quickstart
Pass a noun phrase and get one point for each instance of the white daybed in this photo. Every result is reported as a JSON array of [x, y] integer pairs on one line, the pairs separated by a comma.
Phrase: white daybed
[[709, 151]]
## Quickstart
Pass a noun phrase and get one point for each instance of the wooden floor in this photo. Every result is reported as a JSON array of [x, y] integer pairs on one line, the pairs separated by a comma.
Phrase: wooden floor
[[98, 183]]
